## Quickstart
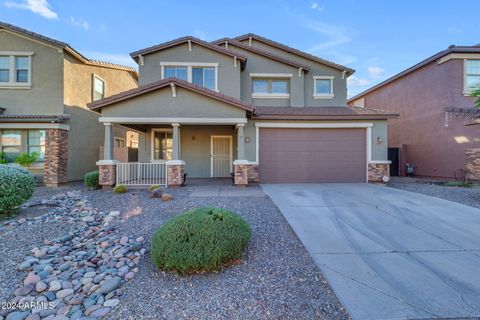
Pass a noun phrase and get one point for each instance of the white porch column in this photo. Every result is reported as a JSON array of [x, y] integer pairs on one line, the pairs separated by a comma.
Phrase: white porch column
[[176, 142], [240, 142], [109, 142]]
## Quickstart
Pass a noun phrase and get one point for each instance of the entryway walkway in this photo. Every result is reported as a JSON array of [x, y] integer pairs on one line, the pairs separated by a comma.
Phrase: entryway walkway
[[388, 253], [221, 188]]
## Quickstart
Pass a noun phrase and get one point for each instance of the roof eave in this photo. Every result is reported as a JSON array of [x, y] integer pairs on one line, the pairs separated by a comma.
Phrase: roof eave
[[330, 117]]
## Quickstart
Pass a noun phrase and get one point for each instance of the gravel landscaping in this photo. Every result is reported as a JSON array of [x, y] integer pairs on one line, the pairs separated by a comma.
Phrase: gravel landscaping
[[467, 196], [277, 278]]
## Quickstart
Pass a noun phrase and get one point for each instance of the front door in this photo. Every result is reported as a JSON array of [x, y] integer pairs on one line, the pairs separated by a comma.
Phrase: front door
[[221, 156]]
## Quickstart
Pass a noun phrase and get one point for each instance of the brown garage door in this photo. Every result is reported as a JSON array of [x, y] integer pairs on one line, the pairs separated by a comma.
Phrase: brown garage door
[[312, 155]]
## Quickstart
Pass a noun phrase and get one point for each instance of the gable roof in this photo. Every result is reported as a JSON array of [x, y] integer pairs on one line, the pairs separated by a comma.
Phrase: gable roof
[[320, 113], [262, 53], [66, 47], [183, 40], [294, 51], [435, 57], [153, 86]]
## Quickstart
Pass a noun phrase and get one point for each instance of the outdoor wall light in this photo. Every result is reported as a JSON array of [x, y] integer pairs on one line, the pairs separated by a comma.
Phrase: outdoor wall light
[[247, 139], [379, 140]]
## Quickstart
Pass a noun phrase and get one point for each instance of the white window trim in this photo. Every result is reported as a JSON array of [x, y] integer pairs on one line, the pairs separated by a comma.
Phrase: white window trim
[[12, 84], [189, 66], [316, 95], [152, 144], [271, 75], [93, 86], [466, 91], [270, 95]]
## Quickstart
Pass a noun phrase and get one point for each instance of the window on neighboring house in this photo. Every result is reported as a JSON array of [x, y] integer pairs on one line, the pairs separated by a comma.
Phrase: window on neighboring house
[[119, 142], [200, 73], [98, 88], [472, 75], [176, 72], [274, 88], [15, 69], [204, 77], [14, 142], [323, 87], [162, 145]]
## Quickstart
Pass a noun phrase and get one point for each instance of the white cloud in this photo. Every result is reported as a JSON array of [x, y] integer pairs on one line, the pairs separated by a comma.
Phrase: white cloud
[[41, 7], [316, 6], [353, 81], [335, 35], [376, 72], [79, 23], [118, 58]]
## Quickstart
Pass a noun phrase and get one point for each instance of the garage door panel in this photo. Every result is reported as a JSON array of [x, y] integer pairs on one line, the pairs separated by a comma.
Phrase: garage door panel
[[312, 155]]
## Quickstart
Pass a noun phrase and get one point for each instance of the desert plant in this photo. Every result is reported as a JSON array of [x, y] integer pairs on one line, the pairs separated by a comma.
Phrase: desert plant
[[25, 159], [16, 187], [91, 179], [203, 239], [153, 187], [121, 188]]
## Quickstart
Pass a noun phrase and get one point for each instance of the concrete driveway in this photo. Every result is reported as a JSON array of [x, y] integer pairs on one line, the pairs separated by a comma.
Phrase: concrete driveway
[[388, 253]]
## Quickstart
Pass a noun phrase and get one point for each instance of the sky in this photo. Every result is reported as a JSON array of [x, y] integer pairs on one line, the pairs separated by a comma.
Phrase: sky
[[376, 38]]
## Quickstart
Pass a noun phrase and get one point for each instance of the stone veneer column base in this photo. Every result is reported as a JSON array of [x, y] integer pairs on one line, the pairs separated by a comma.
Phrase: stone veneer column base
[[175, 170], [107, 175], [376, 171], [56, 157], [472, 164], [240, 171], [252, 173]]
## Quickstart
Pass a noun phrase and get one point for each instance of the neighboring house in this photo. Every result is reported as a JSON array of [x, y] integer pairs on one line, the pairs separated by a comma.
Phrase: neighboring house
[[248, 106], [433, 101], [45, 86]]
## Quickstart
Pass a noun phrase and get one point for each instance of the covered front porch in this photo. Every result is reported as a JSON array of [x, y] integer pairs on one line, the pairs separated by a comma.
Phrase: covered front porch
[[170, 150]]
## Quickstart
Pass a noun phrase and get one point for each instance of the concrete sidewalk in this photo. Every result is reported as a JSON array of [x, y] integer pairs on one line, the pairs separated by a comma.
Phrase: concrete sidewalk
[[221, 188]]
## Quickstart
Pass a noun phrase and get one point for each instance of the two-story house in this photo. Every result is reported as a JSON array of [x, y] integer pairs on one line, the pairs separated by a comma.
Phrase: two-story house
[[45, 86], [248, 106], [434, 102]]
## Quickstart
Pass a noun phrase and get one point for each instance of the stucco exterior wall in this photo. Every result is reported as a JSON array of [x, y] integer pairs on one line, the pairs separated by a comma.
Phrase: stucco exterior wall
[[420, 132], [316, 69], [161, 103], [228, 74], [46, 93]]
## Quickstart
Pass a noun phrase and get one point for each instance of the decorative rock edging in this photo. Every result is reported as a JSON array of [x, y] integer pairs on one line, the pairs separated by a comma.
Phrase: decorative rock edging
[[79, 274]]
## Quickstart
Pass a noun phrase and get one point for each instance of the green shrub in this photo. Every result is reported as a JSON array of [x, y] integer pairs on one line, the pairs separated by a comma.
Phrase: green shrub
[[91, 179], [3, 158], [120, 189], [203, 239], [25, 159], [16, 187], [153, 187]]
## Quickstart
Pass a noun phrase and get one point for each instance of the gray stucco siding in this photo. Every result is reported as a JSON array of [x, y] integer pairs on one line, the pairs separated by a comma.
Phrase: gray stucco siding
[[160, 103], [316, 69], [228, 73]]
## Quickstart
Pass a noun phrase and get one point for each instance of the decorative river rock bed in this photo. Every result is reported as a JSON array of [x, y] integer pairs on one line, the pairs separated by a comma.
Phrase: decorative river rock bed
[[79, 275]]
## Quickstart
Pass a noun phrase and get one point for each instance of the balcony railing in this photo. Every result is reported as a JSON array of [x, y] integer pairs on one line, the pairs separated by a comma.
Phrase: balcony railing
[[141, 174]]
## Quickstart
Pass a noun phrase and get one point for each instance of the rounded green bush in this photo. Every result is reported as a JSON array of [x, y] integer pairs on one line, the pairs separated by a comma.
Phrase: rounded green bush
[[120, 189], [16, 187], [91, 179], [203, 239]]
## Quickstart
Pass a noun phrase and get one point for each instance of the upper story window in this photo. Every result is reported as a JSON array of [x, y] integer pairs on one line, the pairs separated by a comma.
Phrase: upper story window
[[323, 87], [472, 75], [15, 69], [270, 85], [98, 88], [199, 73]]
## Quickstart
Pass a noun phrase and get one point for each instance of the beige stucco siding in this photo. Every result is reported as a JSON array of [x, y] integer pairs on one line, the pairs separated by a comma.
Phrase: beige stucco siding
[[316, 69], [228, 73], [161, 103], [46, 93]]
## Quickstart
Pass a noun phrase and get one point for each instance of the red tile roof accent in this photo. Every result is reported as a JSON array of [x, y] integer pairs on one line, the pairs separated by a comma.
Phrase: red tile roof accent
[[166, 82], [182, 40], [320, 113], [56, 118], [294, 51], [262, 52]]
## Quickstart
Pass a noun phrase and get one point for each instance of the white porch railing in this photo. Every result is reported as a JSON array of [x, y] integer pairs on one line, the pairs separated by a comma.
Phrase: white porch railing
[[141, 174]]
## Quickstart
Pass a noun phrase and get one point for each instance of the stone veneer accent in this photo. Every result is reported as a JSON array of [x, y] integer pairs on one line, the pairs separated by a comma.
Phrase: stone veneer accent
[[472, 164], [107, 175], [56, 156], [252, 172], [376, 171], [241, 174], [175, 175]]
